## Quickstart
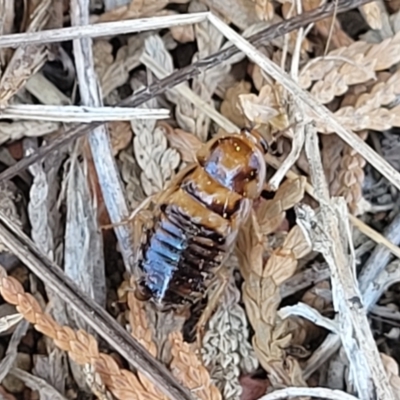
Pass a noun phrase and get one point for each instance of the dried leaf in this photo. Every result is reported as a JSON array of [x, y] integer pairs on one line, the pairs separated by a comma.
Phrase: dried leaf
[[372, 14], [271, 213], [264, 9], [265, 108], [185, 143], [158, 163], [120, 135], [230, 107], [338, 37], [261, 297]]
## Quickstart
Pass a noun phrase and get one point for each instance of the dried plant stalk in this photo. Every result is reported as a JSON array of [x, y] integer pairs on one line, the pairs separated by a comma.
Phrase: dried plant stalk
[[100, 29], [25, 61], [81, 346], [330, 234], [79, 113]]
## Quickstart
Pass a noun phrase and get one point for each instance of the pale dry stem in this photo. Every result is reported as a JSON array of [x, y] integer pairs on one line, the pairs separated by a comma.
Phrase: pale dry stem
[[318, 392], [330, 235], [100, 29], [73, 114]]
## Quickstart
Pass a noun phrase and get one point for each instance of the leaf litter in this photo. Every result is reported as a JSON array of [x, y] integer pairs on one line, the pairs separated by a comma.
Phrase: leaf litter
[[307, 304]]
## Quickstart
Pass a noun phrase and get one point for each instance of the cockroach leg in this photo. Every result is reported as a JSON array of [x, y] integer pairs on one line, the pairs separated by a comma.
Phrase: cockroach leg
[[221, 277], [144, 204]]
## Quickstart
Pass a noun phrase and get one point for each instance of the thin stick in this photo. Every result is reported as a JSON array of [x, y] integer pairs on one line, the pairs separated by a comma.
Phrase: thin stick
[[320, 111], [99, 141], [94, 315], [101, 29], [295, 112], [84, 114], [186, 73], [308, 392]]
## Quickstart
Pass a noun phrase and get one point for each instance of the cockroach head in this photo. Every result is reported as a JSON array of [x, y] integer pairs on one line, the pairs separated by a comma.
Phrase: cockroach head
[[236, 162]]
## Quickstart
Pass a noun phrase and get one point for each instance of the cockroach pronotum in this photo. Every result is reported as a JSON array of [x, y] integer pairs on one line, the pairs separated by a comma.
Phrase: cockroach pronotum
[[197, 220]]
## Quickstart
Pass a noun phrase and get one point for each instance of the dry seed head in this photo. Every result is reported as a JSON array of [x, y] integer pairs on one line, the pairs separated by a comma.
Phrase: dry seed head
[[261, 297], [187, 368], [81, 346], [226, 351], [347, 66]]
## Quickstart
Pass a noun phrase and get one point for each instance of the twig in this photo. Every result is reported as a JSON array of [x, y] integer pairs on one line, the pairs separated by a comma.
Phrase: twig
[[187, 73], [329, 234], [101, 29], [302, 280], [305, 311], [308, 392], [389, 276], [296, 112], [94, 315], [99, 141], [84, 114], [318, 110], [380, 256]]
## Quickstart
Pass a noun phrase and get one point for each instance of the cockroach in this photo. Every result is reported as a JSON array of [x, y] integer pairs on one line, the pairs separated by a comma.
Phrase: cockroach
[[197, 218]]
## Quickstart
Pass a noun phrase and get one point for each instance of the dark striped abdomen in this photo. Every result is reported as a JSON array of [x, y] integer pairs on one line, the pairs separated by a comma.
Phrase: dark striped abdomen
[[189, 240], [179, 258]]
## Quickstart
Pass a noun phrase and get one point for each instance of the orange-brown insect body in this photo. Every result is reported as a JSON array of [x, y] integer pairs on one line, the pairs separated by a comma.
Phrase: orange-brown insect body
[[198, 220]]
